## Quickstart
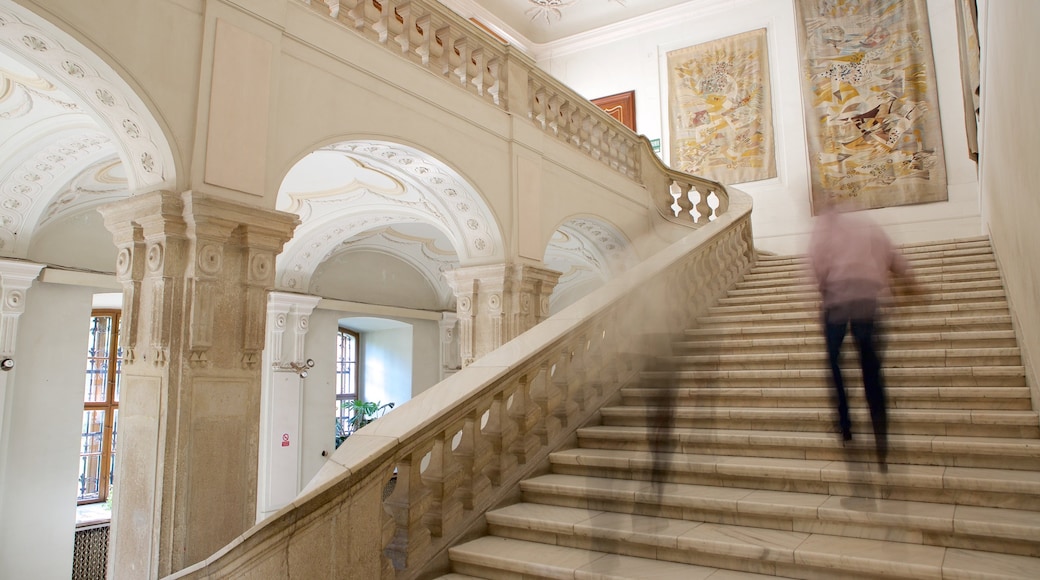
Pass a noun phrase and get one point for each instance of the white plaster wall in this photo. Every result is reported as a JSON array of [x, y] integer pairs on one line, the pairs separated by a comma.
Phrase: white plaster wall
[[40, 446], [375, 278], [1010, 172], [318, 428], [386, 358], [635, 57]]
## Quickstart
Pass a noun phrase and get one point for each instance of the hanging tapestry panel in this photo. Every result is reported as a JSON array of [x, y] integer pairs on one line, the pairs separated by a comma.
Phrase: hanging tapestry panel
[[872, 119], [720, 110]]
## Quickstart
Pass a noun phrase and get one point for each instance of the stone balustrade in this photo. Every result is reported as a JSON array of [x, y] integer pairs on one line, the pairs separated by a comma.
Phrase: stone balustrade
[[399, 492], [436, 38]]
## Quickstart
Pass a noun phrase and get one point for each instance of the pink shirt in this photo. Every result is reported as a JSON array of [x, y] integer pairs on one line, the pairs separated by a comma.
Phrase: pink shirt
[[851, 258]]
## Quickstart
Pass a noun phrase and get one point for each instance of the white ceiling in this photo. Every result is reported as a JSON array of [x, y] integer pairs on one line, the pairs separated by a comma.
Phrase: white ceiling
[[538, 22]]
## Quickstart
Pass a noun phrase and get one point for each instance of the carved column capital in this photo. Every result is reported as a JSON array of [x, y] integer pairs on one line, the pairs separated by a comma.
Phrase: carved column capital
[[497, 302], [288, 315], [15, 280]]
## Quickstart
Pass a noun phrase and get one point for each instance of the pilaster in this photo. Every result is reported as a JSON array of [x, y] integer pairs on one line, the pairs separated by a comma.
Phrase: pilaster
[[15, 280], [285, 366], [496, 303], [195, 271], [450, 360]]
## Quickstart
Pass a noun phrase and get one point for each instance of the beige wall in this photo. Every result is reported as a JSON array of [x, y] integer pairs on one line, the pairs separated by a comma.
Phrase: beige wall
[[1010, 172], [635, 57]]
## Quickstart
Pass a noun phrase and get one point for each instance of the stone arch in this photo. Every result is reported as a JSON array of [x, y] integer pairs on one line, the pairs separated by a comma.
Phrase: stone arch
[[351, 187], [588, 252], [73, 114]]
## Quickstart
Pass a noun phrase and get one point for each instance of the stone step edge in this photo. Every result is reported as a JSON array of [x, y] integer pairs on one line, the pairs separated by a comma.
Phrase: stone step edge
[[902, 372], [901, 326], [980, 418], [491, 552], [759, 439], [934, 477], [816, 338], [676, 395], [808, 554], [800, 505]]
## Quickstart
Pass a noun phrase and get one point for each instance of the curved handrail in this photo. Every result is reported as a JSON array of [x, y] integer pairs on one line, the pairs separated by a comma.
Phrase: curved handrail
[[436, 38]]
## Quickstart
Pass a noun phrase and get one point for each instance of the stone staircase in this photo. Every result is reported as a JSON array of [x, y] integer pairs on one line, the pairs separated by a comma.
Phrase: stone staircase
[[724, 462]]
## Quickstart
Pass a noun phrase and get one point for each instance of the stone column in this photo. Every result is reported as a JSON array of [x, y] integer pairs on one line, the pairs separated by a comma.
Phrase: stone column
[[195, 272], [496, 303], [15, 280], [450, 364], [281, 403]]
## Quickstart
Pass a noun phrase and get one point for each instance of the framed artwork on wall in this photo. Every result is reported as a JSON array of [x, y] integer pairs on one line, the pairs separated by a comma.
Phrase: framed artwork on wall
[[621, 106], [720, 109], [869, 93]]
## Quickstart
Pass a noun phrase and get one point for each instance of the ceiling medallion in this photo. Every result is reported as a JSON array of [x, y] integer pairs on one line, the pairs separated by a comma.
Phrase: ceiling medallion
[[548, 8]]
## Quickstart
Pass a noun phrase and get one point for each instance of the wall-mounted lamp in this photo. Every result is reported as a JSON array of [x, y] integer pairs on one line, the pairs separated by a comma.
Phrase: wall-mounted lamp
[[6, 364], [299, 368]]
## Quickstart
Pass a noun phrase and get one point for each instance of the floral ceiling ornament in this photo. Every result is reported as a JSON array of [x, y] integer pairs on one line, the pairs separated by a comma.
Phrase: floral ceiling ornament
[[548, 9]]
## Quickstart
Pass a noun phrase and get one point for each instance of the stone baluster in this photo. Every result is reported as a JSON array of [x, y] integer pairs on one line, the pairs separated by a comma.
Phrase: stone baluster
[[447, 50], [539, 106], [566, 124], [500, 434], [385, 20], [408, 504], [426, 39], [545, 397], [461, 72], [560, 378], [479, 59], [334, 6], [442, 478], [493, 82], [356, 14], [474, 454], [523, 414]]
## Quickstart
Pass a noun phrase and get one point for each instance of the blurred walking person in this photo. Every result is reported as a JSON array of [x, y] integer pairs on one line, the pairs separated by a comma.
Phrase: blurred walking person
[[852, 259]]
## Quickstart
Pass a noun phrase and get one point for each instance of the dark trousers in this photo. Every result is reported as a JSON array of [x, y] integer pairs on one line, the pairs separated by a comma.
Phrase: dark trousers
[[862, 319]]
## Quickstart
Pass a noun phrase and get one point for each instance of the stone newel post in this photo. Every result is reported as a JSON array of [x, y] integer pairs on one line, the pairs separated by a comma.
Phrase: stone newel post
[[498, 302], [195, 272]]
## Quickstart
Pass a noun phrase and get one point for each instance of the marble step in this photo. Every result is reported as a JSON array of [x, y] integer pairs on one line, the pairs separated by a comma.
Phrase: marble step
[[982, 263], [910, 252], [820, 419], [816, 359], [753, 280], [973, 243], [809, 312], [951, 321], [985, 452], [915, 258], [973, 486], [807, 284], [978, 376], [812, 304], [975, 398], [812, 341], [926, 291], [783, 553], [1000, 530], [499, 558]]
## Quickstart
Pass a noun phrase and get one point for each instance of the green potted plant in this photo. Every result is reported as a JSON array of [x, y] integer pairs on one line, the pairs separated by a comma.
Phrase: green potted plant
[[361, 413]]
